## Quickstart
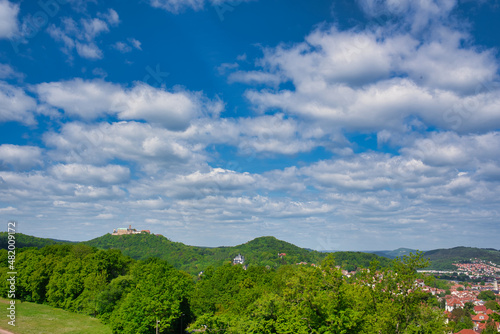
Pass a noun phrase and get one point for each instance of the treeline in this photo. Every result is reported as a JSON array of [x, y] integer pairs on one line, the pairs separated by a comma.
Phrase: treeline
[[261, 251], [132, 295], [352, 261]]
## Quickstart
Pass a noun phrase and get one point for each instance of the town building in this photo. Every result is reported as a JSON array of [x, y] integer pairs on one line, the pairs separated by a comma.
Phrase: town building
[[239, 259]]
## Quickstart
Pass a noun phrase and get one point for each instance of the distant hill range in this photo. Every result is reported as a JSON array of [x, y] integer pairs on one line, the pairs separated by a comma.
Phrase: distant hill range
[[24, 240], [443, 259], [266, 251], [395, 253]]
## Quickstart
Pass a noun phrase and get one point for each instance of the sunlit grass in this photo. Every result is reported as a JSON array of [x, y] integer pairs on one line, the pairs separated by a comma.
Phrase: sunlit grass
[[34, 318]]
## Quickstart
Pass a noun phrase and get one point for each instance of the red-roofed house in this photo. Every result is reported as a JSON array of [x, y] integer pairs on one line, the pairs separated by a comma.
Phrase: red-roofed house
[[480, 309], [467, 331], [452, 303], [480, 327], [480, 317]]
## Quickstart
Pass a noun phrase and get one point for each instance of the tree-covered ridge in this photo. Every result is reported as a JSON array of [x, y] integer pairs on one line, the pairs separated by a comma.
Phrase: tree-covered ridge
[[352, 261], [193, 259], [443, 259], [261, 251], [24, 240], [132, 295]]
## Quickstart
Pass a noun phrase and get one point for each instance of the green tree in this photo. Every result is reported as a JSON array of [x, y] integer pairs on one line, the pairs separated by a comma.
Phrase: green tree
[[492, 305], [469, 307], [495, 316], [399, 287], [461, 319], [491, 328], [161, 293], [95, 283], [110, 298], [486, 295]]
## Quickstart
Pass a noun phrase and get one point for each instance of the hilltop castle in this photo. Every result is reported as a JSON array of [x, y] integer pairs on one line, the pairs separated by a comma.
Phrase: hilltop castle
[[129, 230]]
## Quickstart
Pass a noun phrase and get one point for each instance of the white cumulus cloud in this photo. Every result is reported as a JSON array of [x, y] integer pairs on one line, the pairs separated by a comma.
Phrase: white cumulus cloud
[[91, 99], [16, 105], [20, 157], [8, 19]]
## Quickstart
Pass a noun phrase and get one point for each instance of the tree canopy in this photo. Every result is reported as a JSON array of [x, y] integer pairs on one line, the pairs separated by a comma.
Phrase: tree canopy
[[133, 296]]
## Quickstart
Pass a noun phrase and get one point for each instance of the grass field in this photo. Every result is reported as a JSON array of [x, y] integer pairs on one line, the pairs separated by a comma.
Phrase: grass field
[[42, 319]]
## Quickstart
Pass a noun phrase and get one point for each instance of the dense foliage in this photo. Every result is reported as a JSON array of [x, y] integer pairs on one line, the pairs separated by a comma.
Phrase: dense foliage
[[314, 299], [132, 295], [351, 261], [129, 295], [486, 295]]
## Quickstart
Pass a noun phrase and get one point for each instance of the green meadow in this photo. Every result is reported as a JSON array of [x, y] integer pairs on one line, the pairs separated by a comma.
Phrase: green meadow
[[34, 318]]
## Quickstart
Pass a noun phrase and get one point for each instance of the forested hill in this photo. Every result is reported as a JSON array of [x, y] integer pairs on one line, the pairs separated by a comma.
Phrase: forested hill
[[442, 259], [23, 240], [261, 251]]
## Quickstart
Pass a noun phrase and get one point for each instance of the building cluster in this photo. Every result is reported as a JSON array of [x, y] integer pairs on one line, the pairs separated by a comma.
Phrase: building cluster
[[480, 319], [129, 230], [460, 295], [478, 268]]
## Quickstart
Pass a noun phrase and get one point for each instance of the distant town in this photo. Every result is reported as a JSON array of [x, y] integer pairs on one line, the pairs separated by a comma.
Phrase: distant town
[[475, 268], [469, 300]]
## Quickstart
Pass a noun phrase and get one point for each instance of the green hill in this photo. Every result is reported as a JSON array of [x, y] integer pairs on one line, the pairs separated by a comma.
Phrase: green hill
[[24, 240], [262, 251], [193, 259], [442, 259]]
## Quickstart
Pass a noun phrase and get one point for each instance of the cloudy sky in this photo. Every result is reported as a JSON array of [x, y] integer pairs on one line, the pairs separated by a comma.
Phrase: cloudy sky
[[334, 125]]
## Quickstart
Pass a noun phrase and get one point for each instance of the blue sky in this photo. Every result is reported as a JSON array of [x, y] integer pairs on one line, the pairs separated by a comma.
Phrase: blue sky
[[334, 125]]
